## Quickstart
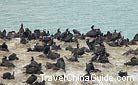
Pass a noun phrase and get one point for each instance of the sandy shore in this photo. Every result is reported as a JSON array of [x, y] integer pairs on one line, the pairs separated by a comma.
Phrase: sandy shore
[[116, 58]]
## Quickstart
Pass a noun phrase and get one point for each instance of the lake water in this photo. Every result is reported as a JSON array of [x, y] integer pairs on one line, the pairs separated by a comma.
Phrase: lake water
[[80, 14]]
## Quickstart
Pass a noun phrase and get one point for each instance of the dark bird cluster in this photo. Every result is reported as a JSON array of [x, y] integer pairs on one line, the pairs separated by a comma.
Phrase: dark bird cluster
[[95, 41]]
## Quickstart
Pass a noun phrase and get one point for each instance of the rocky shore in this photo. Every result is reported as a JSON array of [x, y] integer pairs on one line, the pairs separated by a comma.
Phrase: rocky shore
[[111, 64]]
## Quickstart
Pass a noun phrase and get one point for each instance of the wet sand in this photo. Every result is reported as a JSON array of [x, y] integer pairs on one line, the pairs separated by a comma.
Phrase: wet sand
[[116, 58]]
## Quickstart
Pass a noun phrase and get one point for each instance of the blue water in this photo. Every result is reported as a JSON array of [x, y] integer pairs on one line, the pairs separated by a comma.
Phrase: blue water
[[80, 14]]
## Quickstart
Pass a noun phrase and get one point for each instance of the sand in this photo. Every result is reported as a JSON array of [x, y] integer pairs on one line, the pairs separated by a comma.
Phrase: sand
[[77, 68]]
